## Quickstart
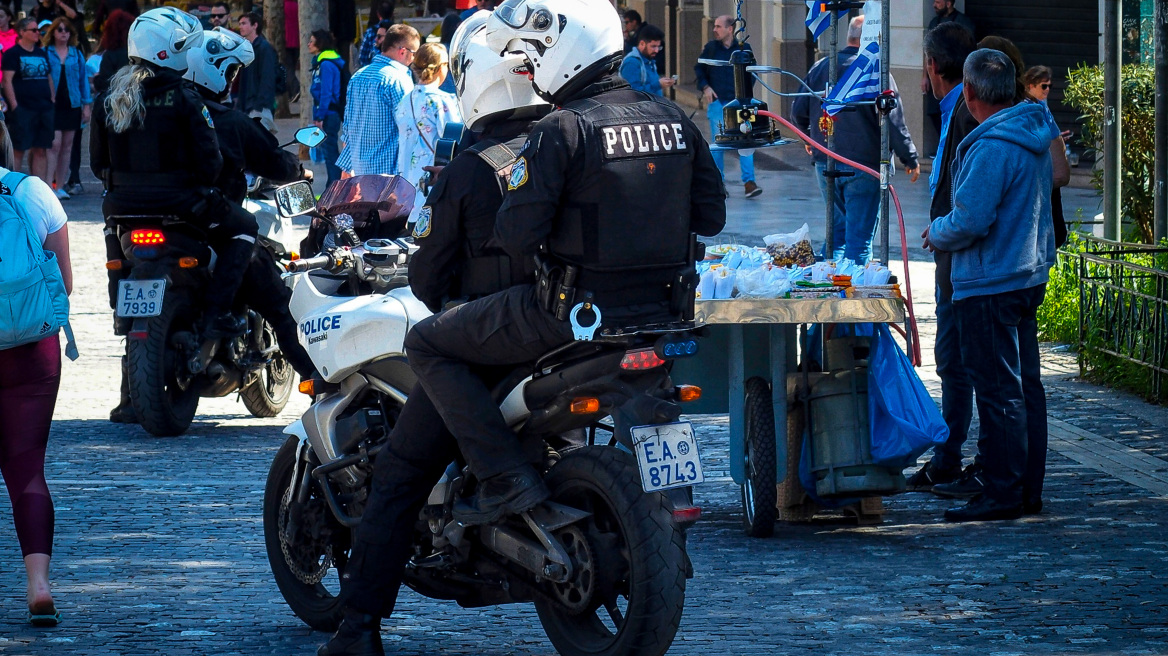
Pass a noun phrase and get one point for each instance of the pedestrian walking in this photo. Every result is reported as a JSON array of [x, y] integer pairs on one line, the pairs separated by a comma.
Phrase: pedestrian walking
[[28, 91], [856, 196], [716, 84], [639, 67], [945, 12], [329, 84], [114, 52], [257, 83], [220, 16], [370, 129], [378, 12], [73, 105], [8, 35], [422, 116], [34, 226], [1001, 238]]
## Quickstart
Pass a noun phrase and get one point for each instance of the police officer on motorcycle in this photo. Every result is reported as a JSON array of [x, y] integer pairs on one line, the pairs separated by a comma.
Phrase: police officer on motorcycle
[[247, 147], [622, 217], [154, 145]]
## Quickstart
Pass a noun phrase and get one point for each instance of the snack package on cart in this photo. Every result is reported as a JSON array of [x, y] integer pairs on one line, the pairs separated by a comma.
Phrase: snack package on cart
[[766, 281], [716, 282], [793, 248]]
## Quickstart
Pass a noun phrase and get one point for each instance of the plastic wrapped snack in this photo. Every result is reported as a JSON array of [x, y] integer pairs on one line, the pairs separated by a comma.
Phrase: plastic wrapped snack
[[764, 282], [790, 249]]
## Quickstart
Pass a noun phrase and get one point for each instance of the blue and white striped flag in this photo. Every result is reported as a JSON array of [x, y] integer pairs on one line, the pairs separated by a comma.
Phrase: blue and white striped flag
[[861, 81], [819, 20]]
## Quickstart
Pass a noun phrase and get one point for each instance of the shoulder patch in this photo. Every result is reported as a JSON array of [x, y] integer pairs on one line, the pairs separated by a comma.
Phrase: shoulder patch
[[518, 174], [422, 227], [207, 117]]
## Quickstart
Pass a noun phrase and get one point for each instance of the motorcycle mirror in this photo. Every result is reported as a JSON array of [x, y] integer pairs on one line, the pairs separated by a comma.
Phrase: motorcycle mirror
[[295, 199], [310, 136]]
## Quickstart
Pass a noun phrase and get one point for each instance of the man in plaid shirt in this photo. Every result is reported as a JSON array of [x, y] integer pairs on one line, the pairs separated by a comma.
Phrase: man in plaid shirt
[[370, 130]]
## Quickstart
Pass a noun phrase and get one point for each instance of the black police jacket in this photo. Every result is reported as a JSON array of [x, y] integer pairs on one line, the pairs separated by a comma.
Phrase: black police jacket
[[614, 182], [247, 146], [455, 226], [175, 146]]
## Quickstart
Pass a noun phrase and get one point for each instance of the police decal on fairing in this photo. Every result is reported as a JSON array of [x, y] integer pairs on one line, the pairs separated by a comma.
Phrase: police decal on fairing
[[645, 139], [316, 330]]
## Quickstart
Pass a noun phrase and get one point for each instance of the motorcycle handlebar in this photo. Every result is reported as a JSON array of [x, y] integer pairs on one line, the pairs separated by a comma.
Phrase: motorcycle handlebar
[[310, 263]]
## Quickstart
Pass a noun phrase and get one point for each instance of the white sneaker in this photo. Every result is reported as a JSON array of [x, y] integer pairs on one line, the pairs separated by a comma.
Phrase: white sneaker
[[61, 194]]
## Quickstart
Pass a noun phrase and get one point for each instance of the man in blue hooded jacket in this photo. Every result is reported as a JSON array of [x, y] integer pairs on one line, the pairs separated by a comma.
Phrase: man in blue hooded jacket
[[1001, 237]]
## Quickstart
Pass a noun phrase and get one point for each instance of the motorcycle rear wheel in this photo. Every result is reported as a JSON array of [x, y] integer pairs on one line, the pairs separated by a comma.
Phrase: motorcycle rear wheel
[[267, 395], [313, 603], [628, 588], [152, 368]]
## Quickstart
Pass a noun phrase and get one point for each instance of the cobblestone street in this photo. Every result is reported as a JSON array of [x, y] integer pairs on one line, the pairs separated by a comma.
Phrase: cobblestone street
[[159, 545]]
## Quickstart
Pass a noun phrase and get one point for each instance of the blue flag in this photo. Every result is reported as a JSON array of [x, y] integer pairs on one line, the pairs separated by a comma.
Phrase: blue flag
[[818, 20], [861, 81]]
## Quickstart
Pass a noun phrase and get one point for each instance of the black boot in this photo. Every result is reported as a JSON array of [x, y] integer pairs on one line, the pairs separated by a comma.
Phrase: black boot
[[219, 326], [358, 635], [124, 413], [511, 492], [983, 509]]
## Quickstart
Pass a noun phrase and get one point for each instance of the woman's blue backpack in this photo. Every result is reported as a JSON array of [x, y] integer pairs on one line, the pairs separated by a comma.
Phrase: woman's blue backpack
[[33, 302]]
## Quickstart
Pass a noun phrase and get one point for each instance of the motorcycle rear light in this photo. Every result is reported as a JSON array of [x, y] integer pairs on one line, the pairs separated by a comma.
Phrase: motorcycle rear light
[[188, 262], [586, 406], [640, 360], [147, 237], [307, 387], [687, 393], [145, 252], [114, 265], [137, 334], [687, 515]]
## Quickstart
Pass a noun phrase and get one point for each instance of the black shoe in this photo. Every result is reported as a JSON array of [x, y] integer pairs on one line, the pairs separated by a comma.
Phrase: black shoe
[[511, 492], [358, 635], [928, 476], [982, 509], [968, 486], [224, 325], [124, 414], [1032, 507]]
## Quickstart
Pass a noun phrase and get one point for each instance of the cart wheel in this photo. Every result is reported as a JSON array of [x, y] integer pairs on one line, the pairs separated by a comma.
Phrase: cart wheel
[[759, 491]]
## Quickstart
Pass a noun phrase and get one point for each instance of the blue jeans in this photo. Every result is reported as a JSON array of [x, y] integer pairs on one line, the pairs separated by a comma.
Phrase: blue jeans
[[745, 158], [330, 148], [956, 387], [857, 207], [999, 344]]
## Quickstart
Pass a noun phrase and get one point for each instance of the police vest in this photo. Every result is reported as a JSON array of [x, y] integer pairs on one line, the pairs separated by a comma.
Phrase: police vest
[[487, 271], [156, 154], [626, 222]]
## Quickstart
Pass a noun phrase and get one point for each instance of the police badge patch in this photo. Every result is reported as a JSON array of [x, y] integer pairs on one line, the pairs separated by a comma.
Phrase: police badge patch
[[422, 227], [518, 174], [207, 117]]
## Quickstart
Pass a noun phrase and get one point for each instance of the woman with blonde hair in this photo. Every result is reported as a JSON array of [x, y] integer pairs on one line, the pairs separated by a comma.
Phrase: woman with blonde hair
[[74, 103], [423, 114]]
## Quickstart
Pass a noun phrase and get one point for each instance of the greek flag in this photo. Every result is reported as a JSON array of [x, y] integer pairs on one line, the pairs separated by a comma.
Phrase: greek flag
[[818, 20], [861, 81]]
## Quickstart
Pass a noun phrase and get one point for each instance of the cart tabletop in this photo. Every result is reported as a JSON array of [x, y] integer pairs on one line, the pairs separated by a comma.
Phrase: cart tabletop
[[799, 310]]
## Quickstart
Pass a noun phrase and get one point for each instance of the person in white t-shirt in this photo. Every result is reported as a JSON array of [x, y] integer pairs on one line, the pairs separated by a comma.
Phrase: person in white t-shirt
[[29, 377]]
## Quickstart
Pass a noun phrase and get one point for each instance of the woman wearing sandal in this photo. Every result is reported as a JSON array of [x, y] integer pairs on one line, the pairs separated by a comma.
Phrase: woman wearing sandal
[[30, 374]]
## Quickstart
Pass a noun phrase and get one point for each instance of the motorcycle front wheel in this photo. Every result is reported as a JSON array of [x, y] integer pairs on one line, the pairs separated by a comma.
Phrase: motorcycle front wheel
[[154, 366], [306, 549], [627, 589], [267, 395]]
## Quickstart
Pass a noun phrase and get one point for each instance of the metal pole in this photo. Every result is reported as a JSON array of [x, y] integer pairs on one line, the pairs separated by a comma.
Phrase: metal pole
[[829, 171], [1112, 115], [885, 155], [1160, 214]]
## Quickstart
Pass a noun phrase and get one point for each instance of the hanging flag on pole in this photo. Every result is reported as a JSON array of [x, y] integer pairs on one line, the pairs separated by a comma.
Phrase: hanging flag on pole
[[861, 80], [819, 20]]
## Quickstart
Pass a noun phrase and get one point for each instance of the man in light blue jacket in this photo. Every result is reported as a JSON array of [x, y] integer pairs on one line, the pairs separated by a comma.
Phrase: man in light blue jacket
[[1001, 237], [639, 67]]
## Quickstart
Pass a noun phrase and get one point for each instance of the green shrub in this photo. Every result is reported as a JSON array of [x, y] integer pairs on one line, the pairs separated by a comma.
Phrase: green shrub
[[1058, 316]]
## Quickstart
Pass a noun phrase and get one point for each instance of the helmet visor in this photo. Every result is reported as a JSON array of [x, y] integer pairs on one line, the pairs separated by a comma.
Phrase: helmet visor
[[514, 13]]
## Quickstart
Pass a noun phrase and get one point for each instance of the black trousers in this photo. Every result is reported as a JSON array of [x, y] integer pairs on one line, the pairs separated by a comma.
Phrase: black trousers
[[266, 293], [504, 329], [419, 450]]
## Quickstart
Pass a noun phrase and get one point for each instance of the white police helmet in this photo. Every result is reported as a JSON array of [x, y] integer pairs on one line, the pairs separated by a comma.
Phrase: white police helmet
[[215, 62], [490, 87], [567, 43], [163, 36]]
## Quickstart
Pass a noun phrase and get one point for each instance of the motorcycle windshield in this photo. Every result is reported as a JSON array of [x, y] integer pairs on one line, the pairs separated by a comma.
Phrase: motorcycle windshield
[[369, 198]]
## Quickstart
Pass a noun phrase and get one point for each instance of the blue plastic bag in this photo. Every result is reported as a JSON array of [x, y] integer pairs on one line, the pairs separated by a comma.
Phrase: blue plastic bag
[[903, 419]]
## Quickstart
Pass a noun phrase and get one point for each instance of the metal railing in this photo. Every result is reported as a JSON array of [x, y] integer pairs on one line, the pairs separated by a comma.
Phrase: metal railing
[[1123, 305]]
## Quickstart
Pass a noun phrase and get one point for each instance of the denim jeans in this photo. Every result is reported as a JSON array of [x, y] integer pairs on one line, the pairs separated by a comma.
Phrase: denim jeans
[[745, 157], [956, 387], [330, 148], [999, 346], [857, 207]]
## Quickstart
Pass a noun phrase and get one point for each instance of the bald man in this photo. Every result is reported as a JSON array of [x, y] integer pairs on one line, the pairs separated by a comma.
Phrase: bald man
[[716, 83]]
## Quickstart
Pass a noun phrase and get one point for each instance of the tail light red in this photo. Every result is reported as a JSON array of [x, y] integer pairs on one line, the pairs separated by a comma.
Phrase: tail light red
[[640, 360], [147, 237]]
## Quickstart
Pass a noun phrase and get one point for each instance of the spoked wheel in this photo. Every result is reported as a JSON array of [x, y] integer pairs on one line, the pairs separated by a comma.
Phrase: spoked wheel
[[267, 395], [160, 390], [306, 547], [759, 489], [627, 588]]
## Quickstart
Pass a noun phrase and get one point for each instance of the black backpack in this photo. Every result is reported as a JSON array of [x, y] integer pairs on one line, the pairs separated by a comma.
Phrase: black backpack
[[345, 75]]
